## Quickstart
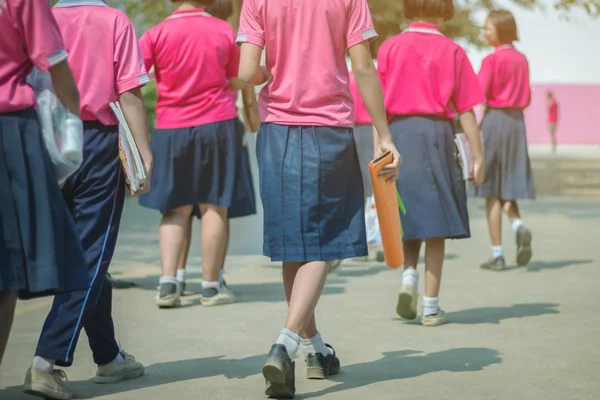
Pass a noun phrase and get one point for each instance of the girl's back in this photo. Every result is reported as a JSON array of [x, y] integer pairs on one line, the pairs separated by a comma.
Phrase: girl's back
[[306, 44], [194, 56]]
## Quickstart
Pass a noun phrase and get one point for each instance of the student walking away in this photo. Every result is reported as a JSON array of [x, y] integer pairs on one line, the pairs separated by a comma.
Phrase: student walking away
[[504, 77], [310, 181], [552, 110], [40, 252], [426, 77], [245, 203], [107, 68], [197, 145]]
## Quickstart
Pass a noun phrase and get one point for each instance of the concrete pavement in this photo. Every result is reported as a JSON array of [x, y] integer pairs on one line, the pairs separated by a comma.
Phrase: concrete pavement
[[529, 333]]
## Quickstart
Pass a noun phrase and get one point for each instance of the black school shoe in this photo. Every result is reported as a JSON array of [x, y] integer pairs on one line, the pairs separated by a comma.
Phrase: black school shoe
[[319, 366], [279, 373]]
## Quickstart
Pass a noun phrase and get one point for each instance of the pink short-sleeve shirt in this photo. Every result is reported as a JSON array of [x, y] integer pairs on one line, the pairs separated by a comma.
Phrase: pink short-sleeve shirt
[[29, 37], [194, 55], [504, 78], [361, 114], [422, 72], [306, 44], [105, 55], [553, 112]]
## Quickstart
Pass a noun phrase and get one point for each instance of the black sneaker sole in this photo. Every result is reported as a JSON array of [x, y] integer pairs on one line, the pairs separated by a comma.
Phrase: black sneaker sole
[[279, 386]]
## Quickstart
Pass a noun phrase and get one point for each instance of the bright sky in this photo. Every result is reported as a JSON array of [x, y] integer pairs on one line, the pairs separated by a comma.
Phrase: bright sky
[[559, 51]]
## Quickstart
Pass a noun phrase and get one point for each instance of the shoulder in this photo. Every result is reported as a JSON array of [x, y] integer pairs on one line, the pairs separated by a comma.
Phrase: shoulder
[[391, 42]]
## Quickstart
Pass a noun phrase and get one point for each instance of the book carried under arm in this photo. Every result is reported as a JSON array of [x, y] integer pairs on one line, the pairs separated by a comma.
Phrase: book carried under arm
[[131, 159]]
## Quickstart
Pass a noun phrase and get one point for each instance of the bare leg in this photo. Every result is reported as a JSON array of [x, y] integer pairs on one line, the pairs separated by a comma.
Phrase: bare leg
[[172, 236], [186, 245], [493, 207], [8, 301], [307, 286], [226, 242], [511, 209], [214, 241], [412, 249], [434, 260]]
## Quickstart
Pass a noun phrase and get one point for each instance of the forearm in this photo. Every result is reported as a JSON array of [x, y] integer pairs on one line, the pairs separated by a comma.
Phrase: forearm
[[251, 108], [372, 95], [132, 104], [65, 86], [471, 129]]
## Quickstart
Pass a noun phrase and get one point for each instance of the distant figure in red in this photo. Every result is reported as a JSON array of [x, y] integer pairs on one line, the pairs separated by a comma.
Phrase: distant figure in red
[[552, 107]]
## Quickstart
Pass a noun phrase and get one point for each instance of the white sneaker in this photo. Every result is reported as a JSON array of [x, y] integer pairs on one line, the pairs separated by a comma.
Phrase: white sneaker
[[407, 302], [118, 371], [49, 386], [217, 296]]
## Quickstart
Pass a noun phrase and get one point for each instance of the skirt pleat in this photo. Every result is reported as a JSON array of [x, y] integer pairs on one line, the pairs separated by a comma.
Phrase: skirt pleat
[[430, 181], [40, 251], [312, 193], [363, 135]]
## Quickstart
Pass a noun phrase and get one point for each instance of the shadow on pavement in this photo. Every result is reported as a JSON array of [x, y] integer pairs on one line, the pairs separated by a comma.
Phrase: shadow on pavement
[[161, 374], [406, 364], [539, 265], [493, 315]]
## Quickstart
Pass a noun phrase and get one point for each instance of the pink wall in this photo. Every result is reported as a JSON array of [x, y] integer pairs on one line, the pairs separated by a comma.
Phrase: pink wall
[[579, 114]]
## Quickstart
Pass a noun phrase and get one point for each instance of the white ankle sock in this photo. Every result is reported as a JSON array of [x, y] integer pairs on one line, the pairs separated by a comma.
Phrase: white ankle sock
[[167, 279], [181, 273], [43, 364], [118, 358], [497, 251], [410, 276], [314, 345], [430, 305], [517, 223], [290, 340], [206, 285]]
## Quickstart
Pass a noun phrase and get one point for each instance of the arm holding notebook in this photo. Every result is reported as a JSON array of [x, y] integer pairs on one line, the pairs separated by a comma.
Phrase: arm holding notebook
[[132, 104]]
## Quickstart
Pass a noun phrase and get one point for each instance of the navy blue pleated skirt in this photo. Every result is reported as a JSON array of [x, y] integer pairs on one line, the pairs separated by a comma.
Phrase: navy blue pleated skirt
[[244, 203], [40, 251], [312, 193], [508, 172], [198, 165], [363, 135], [430, 181]]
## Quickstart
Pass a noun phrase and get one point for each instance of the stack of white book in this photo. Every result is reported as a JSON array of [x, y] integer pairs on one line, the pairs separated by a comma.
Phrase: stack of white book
[[133, 165], [465, 156]]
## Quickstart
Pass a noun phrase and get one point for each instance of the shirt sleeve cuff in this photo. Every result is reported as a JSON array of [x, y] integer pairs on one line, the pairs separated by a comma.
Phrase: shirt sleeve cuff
[[365, 36], [463, 108], [133, 83], [45, 63], [251, 38]]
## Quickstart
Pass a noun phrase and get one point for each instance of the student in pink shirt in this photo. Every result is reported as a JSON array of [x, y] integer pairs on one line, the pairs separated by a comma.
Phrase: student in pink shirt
[[245, 204], [107, 68], [40, 253], [197, 145], [552, 108], [504, 78], [310, 180], [426, 78]]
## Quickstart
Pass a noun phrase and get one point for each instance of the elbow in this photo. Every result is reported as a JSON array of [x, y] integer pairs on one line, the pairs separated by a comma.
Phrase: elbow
[[362, 71], [245, 74]]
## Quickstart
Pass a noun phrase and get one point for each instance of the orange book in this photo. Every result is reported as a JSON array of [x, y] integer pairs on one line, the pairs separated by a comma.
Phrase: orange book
[[388, 212]]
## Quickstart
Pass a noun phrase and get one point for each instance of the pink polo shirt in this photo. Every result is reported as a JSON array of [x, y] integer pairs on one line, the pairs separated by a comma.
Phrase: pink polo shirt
[[422, 72], [306, 44], [553, 112], [504, 78], [194, 55], [361, 114], [105, 56], [29, 36]]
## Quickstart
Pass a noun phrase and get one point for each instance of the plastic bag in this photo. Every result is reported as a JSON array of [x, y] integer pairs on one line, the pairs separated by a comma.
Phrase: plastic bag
[[372, 223], [62, 130]]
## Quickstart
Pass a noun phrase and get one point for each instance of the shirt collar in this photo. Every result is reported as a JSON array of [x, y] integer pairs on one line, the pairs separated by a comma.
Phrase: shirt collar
[[424, 25], [77, 3]]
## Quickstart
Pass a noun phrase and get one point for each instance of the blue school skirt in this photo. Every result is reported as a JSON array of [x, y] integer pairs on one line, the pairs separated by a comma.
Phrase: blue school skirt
[[363, 135], [312, 193], [430, 181], [507, 166], [244, 203], [198, 165], [40, 251]]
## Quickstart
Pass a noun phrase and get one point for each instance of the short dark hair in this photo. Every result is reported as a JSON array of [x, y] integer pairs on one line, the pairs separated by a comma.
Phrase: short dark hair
[[505, 24], [222, 9], [428, 8]]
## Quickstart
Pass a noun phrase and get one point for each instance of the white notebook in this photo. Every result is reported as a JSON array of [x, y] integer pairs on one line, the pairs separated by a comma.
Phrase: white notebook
[[464, 155], [133, 166]]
